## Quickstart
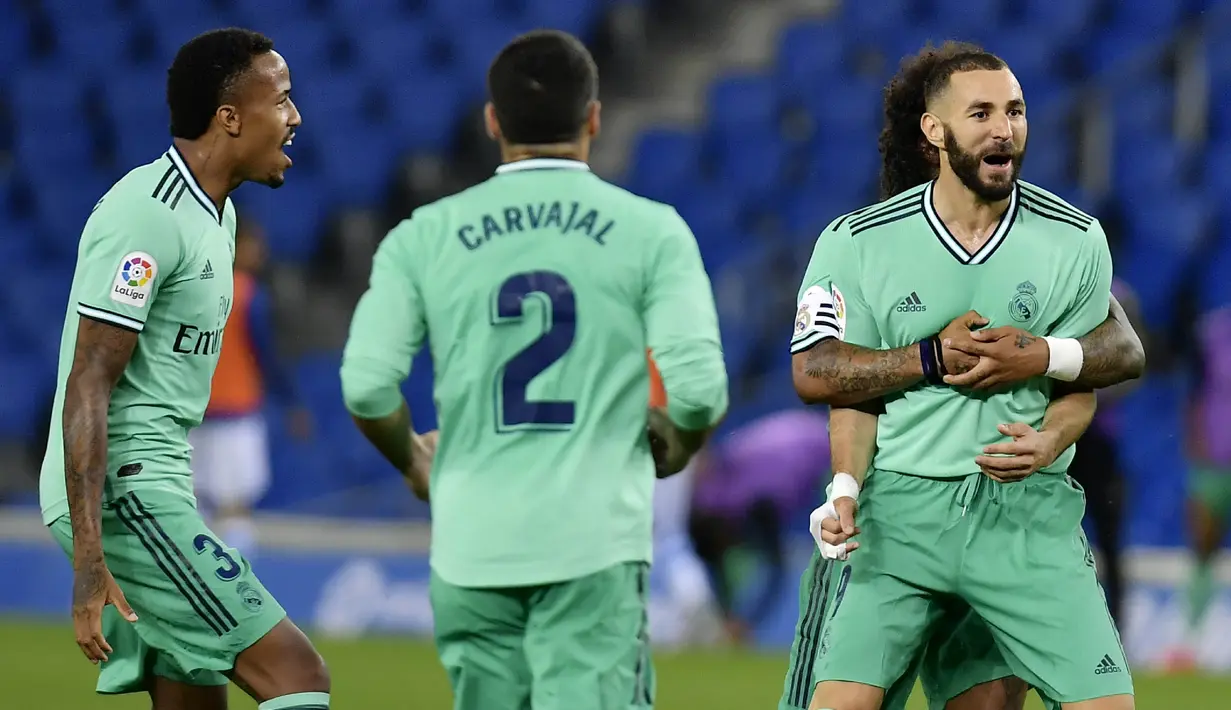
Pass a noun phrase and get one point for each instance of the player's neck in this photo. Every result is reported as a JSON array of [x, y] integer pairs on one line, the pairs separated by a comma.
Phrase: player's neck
[[211, 170], [559, 151], [970, 218]]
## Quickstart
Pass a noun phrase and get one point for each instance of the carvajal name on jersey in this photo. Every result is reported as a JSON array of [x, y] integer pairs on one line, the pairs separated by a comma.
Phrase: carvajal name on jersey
[[567, 217]]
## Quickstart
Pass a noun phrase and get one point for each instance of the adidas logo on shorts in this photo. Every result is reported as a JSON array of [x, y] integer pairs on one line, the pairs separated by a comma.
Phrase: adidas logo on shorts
[[1106, 666], [911, 304]]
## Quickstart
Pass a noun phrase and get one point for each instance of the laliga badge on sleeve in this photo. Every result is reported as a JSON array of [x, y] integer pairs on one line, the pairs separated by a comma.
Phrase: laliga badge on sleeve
[[839, 309]]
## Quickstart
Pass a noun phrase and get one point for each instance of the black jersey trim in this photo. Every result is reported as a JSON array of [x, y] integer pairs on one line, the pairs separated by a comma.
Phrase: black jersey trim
[[953, 246]]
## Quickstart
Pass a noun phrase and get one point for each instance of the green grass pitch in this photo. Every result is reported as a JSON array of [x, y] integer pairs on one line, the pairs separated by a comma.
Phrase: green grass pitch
[[40, 667]]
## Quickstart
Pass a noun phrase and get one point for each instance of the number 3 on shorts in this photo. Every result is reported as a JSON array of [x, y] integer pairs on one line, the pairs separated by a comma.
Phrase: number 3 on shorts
[[229, 569]]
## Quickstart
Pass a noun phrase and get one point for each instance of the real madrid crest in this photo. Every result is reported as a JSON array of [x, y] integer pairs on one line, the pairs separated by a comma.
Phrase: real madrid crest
[[801, 319], [1023, 305]]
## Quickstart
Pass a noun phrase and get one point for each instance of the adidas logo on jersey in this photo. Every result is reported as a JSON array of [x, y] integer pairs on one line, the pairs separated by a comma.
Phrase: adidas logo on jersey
[[1106, 666], [911, 304], [208, 271]]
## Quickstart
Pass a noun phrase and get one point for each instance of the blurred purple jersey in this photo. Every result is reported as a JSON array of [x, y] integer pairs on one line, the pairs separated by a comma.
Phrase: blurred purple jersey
[[1214, 390], [781, 457]]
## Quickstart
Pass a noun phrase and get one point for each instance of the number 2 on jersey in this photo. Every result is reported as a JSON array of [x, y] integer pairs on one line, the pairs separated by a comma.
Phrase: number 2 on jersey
[[514, 410]]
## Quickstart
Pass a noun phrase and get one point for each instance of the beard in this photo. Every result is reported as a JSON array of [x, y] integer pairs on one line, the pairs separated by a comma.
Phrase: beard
[[966, 164]]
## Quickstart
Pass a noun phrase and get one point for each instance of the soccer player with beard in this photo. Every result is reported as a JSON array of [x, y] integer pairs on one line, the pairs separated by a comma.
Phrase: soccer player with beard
[[159, 601], [952, 518]]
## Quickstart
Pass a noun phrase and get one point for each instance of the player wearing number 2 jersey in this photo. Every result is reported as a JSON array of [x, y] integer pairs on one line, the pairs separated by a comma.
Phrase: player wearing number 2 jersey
[[539, 291]]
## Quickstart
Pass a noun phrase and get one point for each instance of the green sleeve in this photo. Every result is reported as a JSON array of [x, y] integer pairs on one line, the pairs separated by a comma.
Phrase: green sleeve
[[386, 332], [831, 302], [127, 254], [1090, 304], [681, 328]]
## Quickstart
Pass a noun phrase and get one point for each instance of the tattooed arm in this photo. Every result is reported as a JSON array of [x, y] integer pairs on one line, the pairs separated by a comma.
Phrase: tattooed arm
[[102, 352], [1111, 353], [840, 374]]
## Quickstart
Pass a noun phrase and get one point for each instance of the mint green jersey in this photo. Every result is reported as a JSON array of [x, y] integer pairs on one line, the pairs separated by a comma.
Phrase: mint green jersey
[[891, 274], [539, 291], [155, 258]]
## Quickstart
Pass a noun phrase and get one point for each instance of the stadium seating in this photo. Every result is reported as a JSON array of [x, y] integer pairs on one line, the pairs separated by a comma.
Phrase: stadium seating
[[781, 152]]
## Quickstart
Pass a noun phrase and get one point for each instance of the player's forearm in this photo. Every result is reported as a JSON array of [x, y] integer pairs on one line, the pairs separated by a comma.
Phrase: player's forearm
[[1111, 353], [840, 374], [852, 441], [85, 461], [390, 435], [1067, 417], [695, 379]]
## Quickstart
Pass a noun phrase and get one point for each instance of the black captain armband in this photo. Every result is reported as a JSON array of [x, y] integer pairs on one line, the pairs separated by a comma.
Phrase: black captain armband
[[931, 355]]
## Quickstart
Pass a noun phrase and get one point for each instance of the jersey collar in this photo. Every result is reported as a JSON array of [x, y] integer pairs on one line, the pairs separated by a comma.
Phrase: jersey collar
[[177, 159], [542, 164], [953, 246]]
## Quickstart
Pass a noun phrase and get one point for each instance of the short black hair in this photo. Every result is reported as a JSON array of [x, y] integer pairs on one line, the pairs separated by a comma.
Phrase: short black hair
[[205, 72], [541, 85]]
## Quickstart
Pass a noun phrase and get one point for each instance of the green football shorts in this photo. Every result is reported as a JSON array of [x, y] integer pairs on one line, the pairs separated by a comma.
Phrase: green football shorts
[[575, 645], [1014, 554], [1211, 485], [198, 604]]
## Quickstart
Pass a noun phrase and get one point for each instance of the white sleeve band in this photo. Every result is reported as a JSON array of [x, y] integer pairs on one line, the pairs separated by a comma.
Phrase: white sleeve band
[[1064, 359], [844, 485]]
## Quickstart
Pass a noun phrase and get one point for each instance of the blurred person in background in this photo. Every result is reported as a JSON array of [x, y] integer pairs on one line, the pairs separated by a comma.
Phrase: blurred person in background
[[1209, 452], [747, 484], [231, 447], [1096, 466]]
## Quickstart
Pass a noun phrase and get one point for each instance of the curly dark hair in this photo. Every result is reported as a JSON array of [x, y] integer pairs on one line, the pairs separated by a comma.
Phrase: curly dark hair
[[907, 158], [205, 72]]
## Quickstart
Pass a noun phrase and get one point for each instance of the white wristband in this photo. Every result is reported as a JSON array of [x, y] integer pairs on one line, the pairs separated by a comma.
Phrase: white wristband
[[844, 485], [1064, 359]]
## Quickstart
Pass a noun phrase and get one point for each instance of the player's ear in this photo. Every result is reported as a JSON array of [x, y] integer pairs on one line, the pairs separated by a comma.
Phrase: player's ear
[[593, 123], [933, 129], [228, 118], [490, 122]]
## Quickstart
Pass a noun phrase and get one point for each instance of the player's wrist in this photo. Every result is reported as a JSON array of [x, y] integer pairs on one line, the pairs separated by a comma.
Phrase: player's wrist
[[932, 360], [843, 485], [1064, 358]]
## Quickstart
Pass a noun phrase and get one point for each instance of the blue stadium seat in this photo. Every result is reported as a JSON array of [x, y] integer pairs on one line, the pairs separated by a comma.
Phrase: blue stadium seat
[[1164, 234], [1165, 165], [14, 36], [330, 102], [576, 16], [458, 14], [753, 163], [474, 47], [28, 383], [355, 165], [61, 142], [88, 46], [424, 112], [1063, 19], [1217, 172], [1152, 110], [850, 108], [1214, 279], [1033, 53], [307, 45], [863, 20], [810, 54], [845, 175], [396, 48], [1146, 16], [269, 16], [292, 215], [136, 96], [663, 160], [1118, 49], [742, 102], [961, 16]]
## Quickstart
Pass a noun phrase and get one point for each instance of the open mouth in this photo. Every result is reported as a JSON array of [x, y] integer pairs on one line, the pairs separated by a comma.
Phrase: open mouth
[[998, 160], [289, 140]]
